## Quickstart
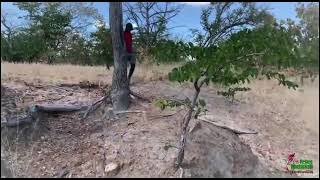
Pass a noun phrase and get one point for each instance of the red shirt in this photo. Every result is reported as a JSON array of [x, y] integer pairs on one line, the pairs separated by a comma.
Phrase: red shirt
[[128, 41]]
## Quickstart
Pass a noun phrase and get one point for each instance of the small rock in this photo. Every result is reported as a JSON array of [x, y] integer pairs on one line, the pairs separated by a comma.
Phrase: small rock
[[78, 163], [270, 158], [187, 173], [111, 169], [63, 173], [99, 167], [87, 165], [130, 123]]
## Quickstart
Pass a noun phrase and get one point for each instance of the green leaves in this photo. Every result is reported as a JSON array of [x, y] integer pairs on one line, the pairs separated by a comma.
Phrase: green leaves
[[306, 33], [165, 103], [161, 103], [51, 29], [101, 46], [230, 93], [187, 72], [168, 51], [200, 107], [243, 56], [202, 102]]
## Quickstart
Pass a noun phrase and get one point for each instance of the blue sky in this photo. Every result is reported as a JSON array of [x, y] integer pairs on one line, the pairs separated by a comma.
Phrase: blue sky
[[189, 17]]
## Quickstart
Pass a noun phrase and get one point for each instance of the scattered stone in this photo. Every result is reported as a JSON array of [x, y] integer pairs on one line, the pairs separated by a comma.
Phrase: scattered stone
[[87, 165], [109, 114], [78, 163], [63, 173], [96, 135], [187, 173], [130, 123], [99, 167], [111, 169]]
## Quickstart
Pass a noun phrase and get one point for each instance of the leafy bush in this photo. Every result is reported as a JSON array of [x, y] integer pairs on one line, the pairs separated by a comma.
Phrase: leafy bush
[[243, 56], [169, 51]]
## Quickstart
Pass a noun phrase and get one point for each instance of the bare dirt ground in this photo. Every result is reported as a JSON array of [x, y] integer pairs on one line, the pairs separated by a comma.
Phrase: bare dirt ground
[[144, 144], [287, 120]]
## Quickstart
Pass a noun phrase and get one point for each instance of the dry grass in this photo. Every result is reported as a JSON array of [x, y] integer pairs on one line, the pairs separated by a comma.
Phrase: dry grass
[[65, 73]]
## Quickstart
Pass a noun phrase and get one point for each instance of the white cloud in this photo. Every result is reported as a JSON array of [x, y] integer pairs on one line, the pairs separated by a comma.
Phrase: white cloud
[[99, 23], [196, 3], [134, 25]]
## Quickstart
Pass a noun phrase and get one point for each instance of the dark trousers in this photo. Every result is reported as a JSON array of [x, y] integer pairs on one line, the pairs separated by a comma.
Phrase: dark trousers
[[131, 60]]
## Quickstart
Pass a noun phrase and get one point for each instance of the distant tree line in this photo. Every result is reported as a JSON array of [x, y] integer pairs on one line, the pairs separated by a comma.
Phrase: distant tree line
[[57, 32]]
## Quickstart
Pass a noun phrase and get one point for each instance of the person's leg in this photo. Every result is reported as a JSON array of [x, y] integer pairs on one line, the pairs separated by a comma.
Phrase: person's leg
[[132, 66]]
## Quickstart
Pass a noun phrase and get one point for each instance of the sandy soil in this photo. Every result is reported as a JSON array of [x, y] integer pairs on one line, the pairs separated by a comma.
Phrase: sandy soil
[[287, 120], [143, 145]]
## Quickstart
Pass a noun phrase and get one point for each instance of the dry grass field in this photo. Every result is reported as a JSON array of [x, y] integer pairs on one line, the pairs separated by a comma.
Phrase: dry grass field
[[287, 121], [65, 73]]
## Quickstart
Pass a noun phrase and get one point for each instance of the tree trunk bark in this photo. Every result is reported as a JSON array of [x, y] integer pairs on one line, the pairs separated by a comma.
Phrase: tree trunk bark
[[120, 86]]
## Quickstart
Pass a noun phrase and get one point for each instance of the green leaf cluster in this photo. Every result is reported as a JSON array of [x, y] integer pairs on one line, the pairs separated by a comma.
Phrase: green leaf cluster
[[165, 103], [230, 93], [243, 56]]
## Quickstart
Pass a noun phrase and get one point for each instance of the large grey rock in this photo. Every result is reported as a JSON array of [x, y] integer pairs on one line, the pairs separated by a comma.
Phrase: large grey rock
[[216, 152]]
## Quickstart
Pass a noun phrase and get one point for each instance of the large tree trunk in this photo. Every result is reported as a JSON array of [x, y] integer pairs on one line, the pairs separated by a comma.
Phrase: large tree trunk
[[120, 86]]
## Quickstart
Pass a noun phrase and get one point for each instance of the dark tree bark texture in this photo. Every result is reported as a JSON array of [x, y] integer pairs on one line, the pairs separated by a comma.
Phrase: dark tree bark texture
[[120, 87]]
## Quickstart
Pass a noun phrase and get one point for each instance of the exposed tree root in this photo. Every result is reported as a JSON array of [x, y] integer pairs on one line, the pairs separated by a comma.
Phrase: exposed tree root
[[95, 106], [123, 112], [36, 110], [139, 96], [229, 128], [165, 115]]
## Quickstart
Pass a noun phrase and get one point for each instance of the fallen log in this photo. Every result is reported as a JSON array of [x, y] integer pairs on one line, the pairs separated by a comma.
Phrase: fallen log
[[58, 108], [35, 111]]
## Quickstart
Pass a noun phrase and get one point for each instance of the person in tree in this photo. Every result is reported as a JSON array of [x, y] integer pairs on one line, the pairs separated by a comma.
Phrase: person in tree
[[129, 50]]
